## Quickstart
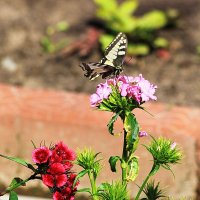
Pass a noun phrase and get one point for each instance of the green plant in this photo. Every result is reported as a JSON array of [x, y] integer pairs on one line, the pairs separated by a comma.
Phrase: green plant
[[153, 191], [48, 43], [141, 30]]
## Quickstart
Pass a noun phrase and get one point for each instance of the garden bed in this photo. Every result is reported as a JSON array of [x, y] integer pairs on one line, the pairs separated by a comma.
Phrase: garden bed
[[23, 24]]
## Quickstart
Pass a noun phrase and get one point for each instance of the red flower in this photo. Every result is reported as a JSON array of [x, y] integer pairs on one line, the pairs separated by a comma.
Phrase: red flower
[[61, 153], [41, 155], [58, 196], [71, 179], [56, 169], [55, 176], [54, 180], [65, 194]]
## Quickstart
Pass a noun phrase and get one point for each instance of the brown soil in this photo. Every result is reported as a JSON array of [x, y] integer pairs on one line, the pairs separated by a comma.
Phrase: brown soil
[[23, 23]]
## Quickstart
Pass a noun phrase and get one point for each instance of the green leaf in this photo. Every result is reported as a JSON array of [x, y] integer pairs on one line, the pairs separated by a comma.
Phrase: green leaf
[[106, 5], [16, 182], [133, 169], [47, 45], [20, 161], [131, 126], [113, 161], [152, 20], [128, 7], [79, 175], [161, 42], [13, 196], [105, 106], [138, 49], [111, 123], [62, 26]]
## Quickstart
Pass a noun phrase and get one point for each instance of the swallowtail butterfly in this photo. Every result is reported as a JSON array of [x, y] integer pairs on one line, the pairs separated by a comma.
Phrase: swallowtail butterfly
[[111, 64]]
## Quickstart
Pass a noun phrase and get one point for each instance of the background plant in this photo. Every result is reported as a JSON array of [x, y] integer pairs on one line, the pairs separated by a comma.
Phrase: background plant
[[141, 30], [49, 43]]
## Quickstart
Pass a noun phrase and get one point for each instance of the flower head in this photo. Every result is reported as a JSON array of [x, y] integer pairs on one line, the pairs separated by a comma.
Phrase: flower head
[[41, 155], [143, 134], [103, 91], [147, 89], [54, 166], [62, 154], [136, 90], [164, 151]]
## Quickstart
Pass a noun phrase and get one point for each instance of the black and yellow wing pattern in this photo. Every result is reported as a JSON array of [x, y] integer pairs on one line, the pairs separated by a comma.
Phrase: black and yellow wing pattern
[[111, 64]]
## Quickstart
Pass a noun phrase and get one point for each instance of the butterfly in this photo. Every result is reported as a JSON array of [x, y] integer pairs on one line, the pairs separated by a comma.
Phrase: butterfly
[[111, 64]]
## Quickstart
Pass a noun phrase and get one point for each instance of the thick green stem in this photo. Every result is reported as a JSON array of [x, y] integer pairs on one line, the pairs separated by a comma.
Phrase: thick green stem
[[151, 173], [93, 185], [124, 159]]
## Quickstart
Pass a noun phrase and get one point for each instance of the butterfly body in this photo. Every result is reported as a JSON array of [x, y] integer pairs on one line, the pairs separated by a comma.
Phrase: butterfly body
[[111, 64]]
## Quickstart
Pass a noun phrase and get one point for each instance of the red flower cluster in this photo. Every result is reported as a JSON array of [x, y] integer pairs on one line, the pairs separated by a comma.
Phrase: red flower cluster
[[54, 165]]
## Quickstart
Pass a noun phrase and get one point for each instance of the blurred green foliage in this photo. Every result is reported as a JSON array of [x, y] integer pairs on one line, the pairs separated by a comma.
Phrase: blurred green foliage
[[198, 49], [141, 31], [47, 42]]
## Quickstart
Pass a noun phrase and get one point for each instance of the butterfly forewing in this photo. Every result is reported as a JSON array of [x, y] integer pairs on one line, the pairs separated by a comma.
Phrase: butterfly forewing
[[116, 50], [111, 64]]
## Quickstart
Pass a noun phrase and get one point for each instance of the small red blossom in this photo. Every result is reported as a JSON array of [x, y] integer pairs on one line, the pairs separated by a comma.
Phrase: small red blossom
[[65, 194], [54, 180], [55, 176], [56, 169], [41, 155], [62, 154]]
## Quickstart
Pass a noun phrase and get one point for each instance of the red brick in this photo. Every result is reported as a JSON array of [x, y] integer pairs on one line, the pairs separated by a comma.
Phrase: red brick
[[40, 115]]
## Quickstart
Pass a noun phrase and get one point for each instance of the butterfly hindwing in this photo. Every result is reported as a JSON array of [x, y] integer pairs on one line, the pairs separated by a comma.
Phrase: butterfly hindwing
[[111, 64], [93, 70]]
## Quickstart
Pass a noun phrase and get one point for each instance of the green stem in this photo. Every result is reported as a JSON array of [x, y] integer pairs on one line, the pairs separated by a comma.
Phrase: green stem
[[9, 189], [124, 158], [93, 185], [151, 173]]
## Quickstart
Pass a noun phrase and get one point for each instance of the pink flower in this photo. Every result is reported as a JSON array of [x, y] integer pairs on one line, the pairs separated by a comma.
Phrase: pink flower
[[95, 100], [123, 87], [134, 92], [103, 91], [136, 88], [147, 89], [143, 134], [55, 176], [41, 155], [173, 145]]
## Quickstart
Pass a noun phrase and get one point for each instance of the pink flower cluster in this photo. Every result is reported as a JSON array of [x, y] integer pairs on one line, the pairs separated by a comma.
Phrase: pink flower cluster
[[54, 165], [137, 88]]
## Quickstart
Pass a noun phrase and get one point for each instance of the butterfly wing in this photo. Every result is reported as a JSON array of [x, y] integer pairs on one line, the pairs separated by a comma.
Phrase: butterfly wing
[[116, 51], [93, 70], [110, 65]]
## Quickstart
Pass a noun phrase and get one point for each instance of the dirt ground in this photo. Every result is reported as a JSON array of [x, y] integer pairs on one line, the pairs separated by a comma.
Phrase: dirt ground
[[23, 23]]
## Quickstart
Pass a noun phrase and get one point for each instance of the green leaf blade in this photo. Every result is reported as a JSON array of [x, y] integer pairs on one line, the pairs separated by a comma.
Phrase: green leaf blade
[[113, 161], [18, 160], [13, 196], [111, 123]]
